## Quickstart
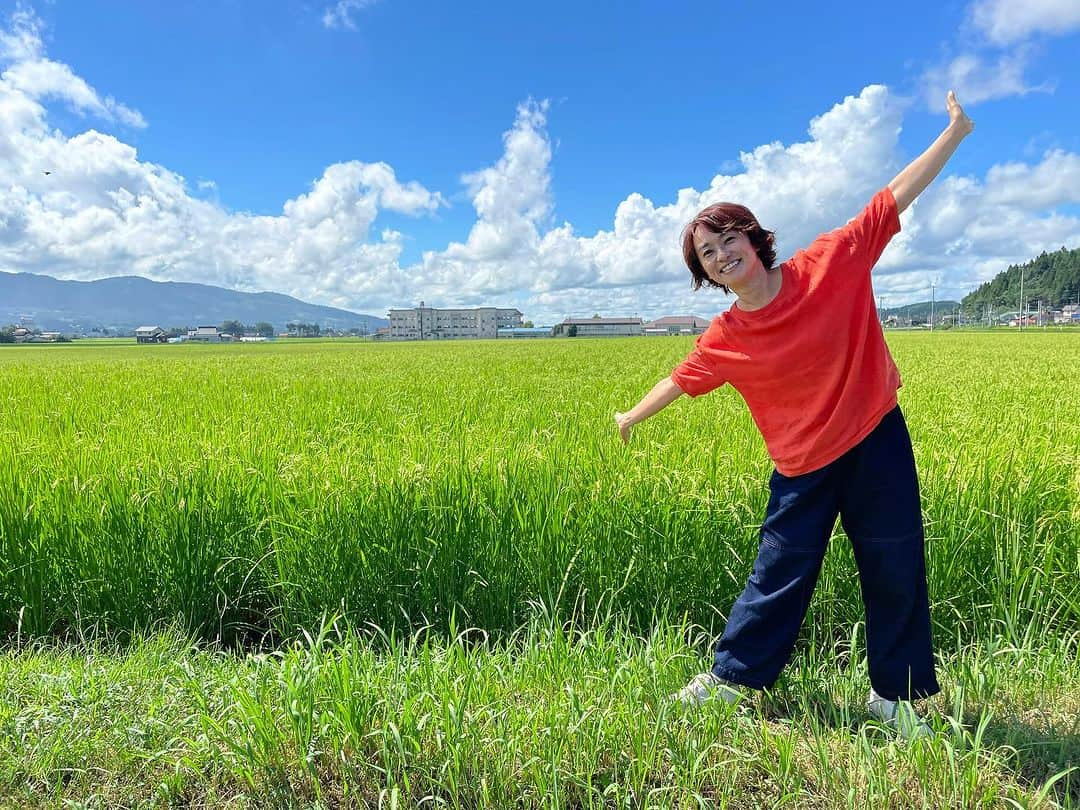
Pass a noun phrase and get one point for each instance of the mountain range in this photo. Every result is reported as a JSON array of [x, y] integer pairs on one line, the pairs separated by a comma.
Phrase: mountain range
[[124, 303], [920, 311]]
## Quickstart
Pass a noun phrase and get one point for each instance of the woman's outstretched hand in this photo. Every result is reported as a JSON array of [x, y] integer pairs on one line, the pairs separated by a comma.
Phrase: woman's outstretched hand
[[624, 424], [918, 174], [957, 117]]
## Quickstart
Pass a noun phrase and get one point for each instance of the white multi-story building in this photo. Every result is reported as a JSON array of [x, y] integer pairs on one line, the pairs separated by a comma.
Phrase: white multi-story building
[[429, 323]]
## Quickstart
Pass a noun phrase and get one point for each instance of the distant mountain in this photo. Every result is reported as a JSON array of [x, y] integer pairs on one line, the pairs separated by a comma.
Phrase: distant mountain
[[125, 303], [921, 310]]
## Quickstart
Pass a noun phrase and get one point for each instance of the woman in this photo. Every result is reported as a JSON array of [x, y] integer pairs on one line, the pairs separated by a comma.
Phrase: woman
[[803, 345]]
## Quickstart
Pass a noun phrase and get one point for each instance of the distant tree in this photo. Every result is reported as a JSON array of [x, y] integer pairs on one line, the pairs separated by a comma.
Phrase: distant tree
[[7, 334], [234, 328], [264, 329], [527, 324]]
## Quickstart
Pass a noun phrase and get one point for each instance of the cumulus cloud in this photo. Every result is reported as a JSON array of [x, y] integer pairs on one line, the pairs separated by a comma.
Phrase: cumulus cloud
[[1005, 22], [512, 200], [961, 232], [993, 63], [102, 212], [39, 78], [340, 14]]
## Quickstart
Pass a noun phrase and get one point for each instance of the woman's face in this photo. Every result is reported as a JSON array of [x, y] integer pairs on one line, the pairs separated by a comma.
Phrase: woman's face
[[726, 257]]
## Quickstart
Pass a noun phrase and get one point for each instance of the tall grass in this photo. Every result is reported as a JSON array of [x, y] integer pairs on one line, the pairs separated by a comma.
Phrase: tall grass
[[246, 490], [558, 716]]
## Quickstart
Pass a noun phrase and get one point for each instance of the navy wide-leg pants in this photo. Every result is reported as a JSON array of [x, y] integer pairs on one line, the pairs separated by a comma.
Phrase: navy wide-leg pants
[[875, 491]]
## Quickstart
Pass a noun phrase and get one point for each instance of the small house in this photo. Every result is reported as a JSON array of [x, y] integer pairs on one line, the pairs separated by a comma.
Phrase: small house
[[150, 334], [207, 334]]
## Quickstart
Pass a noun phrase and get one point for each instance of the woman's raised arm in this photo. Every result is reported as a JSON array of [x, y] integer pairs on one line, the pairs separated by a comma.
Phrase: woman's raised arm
[[917, 175]]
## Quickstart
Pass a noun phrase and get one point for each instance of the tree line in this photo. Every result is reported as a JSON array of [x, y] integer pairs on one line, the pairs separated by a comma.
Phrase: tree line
[[1053, 278], [237, 329]]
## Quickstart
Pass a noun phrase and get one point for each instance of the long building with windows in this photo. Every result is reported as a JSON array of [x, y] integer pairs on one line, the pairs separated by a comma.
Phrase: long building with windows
[[677, 325], [598, 327], [429, 323]]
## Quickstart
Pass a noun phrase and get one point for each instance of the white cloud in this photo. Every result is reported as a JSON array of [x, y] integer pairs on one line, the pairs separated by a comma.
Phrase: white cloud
[[976, 79], [1005, 22], [340, 14], [512, 199], [993, 63], [1052, 182], [44, 78], [22, 42], [38, 78]]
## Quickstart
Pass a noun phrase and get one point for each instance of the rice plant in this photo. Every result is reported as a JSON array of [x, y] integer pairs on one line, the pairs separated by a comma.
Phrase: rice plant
[[347, 574], [246, 490]]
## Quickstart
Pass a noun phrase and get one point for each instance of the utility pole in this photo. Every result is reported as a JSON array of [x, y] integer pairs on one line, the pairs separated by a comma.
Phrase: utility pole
[[1020, 320], [932, 307]]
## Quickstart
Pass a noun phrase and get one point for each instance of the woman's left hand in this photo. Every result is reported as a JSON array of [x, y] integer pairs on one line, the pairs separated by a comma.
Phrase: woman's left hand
[[957, 117]]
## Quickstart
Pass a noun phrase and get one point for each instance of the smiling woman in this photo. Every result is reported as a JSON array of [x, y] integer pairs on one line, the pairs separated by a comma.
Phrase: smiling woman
[[803, 346], [724, 238]]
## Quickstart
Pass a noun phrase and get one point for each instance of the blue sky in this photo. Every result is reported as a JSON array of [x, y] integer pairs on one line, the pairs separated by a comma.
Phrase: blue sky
[[373, 154]]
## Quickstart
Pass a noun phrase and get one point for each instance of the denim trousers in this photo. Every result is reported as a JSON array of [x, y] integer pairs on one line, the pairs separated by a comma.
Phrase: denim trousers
[[875, 490]]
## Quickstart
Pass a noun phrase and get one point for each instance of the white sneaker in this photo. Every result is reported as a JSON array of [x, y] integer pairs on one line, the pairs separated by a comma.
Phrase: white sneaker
[[898, 715], [706, 687]]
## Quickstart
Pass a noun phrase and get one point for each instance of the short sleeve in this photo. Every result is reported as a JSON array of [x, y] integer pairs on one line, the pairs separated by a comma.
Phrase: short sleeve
[[696, 375], [870, 231], [854, 248]]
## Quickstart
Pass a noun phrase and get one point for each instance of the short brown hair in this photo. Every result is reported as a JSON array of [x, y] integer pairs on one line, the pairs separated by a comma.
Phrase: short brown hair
[[722, 217]]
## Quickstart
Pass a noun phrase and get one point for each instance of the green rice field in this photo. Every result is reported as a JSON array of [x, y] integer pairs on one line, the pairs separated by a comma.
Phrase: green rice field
[[354, 574]]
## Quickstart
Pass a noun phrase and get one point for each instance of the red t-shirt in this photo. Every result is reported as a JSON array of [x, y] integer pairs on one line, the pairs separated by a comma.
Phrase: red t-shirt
[[811, 364]]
